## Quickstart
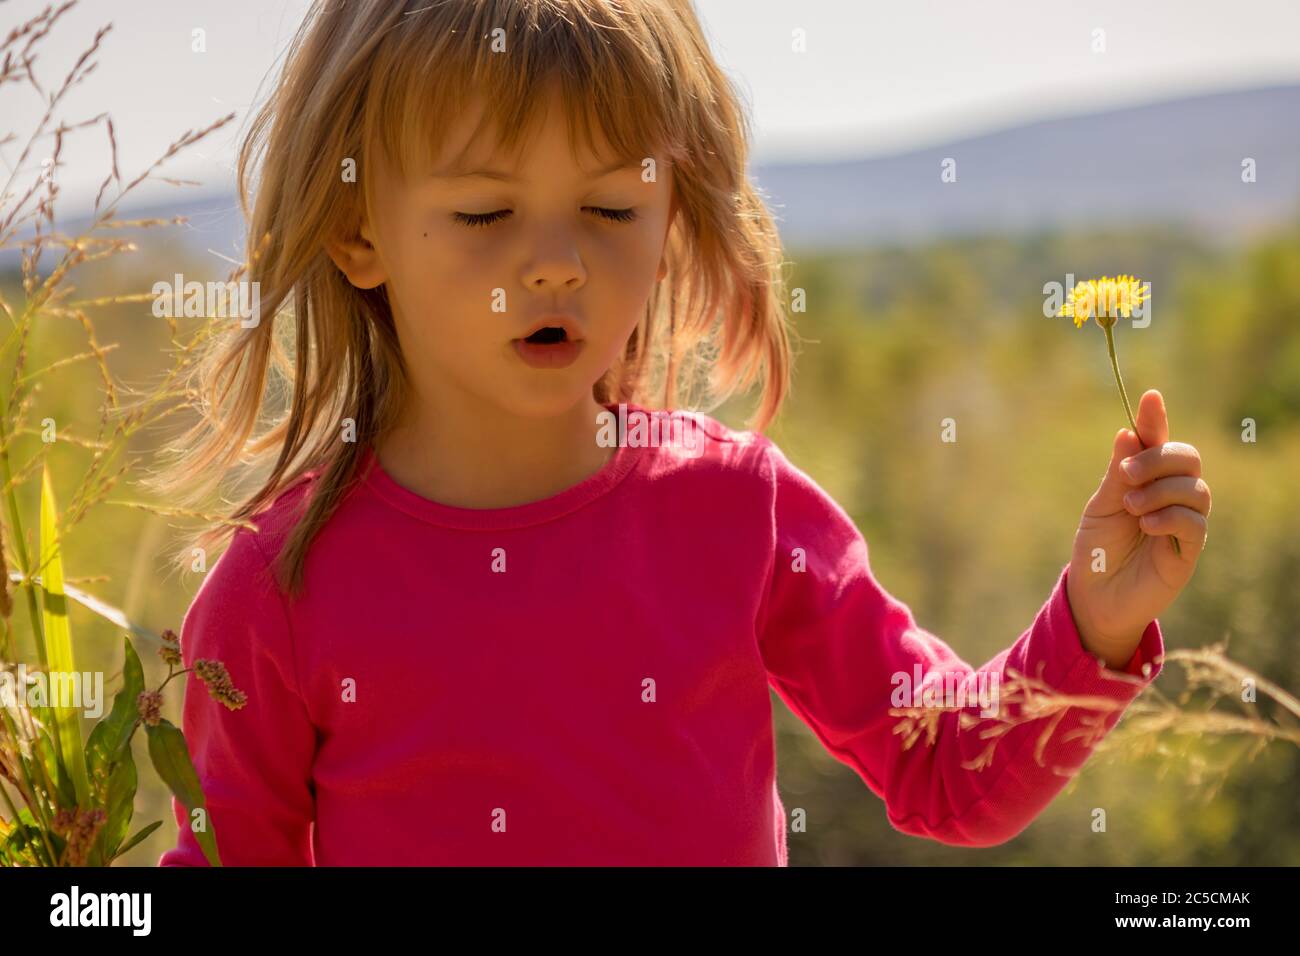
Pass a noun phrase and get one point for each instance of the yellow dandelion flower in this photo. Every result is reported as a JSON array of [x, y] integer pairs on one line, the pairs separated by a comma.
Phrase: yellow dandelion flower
[[1104, 299]]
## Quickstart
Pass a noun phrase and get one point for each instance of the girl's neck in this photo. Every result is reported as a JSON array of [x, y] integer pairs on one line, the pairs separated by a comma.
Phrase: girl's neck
[[486, 457]]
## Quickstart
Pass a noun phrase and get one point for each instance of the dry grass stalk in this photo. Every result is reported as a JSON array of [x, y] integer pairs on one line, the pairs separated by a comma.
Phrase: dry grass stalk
[[1153, 725]]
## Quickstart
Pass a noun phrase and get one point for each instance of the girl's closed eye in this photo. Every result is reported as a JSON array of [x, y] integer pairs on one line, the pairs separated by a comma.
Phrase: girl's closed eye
[[488, 218]]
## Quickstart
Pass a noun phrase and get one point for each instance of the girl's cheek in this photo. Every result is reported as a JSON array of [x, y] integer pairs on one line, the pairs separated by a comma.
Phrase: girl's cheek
[[452, 284], [641, 244], [434, 258], [452, 253], [631, 258]]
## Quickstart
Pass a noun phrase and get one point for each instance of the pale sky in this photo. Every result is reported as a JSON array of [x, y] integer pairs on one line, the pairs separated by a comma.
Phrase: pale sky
[[876, 77]]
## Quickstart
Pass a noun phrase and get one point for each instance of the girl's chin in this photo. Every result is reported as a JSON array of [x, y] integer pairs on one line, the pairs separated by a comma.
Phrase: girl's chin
[[552, 395]]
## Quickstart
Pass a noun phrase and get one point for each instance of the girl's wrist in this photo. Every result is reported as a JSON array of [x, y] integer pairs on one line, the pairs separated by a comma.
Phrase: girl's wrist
[[1114, 652]]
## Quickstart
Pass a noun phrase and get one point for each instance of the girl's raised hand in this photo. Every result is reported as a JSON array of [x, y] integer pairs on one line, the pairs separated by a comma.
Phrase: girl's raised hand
[[1124, 570]]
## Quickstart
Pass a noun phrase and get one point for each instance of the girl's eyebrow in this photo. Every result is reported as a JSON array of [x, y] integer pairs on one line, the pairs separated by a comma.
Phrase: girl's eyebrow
[[505, 177]]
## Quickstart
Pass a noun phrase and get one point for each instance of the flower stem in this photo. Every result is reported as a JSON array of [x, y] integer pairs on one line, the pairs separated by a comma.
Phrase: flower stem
[[1119, 380]]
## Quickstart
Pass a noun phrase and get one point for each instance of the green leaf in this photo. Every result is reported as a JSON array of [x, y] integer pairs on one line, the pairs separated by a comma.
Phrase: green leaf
[[18, 841], [58, 640], [138, 837], [25, 839], [28, 764], [57, 772], [112, 735], [111, 765], [171, 758], [120, 804]]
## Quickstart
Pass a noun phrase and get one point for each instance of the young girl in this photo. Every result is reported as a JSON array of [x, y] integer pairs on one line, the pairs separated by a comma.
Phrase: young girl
[[491, 606]]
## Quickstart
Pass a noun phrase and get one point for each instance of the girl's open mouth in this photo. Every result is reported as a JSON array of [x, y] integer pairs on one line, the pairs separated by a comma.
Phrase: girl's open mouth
[[549, 347]]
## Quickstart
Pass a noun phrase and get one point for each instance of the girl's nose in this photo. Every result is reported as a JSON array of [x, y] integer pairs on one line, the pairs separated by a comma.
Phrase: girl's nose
[[557, 268]]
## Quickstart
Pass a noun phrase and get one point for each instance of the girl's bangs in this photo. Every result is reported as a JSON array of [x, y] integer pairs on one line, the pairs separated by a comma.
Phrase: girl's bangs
[[607, 68]]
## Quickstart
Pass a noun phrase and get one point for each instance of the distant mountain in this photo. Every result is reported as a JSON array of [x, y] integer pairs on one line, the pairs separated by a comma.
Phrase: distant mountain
[[1177, 162]]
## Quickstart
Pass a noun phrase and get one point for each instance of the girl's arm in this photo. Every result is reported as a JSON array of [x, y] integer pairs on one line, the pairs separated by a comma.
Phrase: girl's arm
[[837, 646], [254, 763]]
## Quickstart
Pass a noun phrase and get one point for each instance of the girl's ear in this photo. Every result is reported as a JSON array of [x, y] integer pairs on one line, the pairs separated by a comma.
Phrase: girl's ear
[[358, 259]]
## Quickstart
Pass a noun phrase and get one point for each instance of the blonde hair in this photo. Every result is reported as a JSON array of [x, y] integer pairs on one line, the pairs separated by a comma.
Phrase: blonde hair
[[362, 75]]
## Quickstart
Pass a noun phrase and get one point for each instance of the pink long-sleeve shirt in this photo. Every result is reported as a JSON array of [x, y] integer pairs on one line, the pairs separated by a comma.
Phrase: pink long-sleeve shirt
[[584, 679]]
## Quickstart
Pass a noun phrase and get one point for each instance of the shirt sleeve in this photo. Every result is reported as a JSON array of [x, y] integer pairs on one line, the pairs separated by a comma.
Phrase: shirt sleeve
[[838, 649], [254, 763]]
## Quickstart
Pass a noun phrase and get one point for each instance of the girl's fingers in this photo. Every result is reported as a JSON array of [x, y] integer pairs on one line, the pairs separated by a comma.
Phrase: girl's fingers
[[1175, 490], [1183, 523], [1171, 458]]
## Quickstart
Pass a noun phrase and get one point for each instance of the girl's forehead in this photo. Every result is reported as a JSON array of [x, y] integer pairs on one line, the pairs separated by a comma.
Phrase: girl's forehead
[[473, 143]]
